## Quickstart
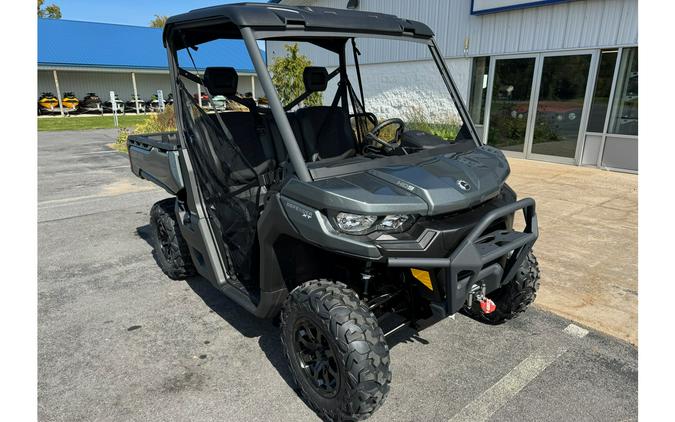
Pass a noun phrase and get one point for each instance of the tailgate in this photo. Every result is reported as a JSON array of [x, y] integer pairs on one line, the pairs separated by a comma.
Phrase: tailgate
[[154, 157]]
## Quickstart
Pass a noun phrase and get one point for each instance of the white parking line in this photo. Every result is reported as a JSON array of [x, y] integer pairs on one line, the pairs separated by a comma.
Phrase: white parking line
[[97, 152], [492, 399], [67, 201], [575, 331], [114, 167]]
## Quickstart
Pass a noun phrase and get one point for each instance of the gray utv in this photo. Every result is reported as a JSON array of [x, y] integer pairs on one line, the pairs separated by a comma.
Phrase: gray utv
[[310, 215]]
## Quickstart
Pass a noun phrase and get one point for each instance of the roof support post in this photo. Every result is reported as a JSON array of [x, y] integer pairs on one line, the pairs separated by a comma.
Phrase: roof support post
[[199, 95], [277, 108], [452, 89], [342, 86], [253, 86], [58, 92], [133, 80]]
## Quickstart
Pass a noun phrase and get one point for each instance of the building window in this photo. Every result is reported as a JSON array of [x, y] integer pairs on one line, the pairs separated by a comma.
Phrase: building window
[[603, 87], [624, 117], [479, 82]]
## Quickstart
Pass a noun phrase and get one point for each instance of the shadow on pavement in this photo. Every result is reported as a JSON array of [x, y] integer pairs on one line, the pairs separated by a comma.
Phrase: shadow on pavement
[[248, 325], [267, 331]]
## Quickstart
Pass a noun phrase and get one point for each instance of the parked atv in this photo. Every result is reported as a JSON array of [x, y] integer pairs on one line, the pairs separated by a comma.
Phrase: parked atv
[[48, 103], [334, 229], [91, 103], [205, 102], [153, 105], [70, 103], [108, 105], [135, 104], [218, 103]]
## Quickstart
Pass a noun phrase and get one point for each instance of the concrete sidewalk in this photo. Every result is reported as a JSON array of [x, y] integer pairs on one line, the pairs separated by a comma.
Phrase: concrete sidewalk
[[588, 243]]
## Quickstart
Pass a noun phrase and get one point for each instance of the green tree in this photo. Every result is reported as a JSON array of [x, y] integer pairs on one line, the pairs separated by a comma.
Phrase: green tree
[[159, 21], [51, 11], [287, 76]]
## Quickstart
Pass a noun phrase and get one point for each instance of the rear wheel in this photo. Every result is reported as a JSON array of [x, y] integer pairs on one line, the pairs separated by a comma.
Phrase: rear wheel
[[170, 249], [513, 298], [336, 350]]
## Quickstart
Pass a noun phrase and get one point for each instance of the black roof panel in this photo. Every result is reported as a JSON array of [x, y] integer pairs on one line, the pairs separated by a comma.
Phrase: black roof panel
[[262, 16]]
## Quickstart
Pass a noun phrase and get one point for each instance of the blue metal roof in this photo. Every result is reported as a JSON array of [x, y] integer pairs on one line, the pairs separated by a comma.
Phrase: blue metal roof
[[89, 44]]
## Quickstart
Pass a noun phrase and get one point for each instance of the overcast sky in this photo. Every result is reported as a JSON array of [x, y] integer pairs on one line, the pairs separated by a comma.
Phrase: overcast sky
[[130, 12]]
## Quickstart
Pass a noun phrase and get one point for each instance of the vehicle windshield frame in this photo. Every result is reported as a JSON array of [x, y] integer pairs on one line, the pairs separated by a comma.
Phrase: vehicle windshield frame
[[251, 37]]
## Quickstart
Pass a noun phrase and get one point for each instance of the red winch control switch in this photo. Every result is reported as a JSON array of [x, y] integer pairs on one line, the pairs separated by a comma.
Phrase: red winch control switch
[[487, 305]]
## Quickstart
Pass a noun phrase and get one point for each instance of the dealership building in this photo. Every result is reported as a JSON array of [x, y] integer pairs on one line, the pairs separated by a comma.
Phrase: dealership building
[[83, 57], [570, 67]]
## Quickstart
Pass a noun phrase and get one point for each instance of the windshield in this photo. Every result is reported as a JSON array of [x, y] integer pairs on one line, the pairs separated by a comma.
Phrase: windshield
[[412, 90], [346, 100]]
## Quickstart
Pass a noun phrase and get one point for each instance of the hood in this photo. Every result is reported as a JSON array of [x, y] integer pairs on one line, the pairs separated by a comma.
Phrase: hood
[[431, 186]]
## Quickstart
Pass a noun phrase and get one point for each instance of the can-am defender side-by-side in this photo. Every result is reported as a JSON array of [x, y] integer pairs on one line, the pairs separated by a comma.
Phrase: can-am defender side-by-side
[[335, 217]]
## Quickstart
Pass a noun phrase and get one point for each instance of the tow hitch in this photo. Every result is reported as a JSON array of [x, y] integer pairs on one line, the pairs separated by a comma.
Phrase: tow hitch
[[487, 306]]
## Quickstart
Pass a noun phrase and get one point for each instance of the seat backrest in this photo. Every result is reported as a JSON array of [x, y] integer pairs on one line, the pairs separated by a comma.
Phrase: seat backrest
[[326, 131], [281, 154], [221, 81], [241, 124]]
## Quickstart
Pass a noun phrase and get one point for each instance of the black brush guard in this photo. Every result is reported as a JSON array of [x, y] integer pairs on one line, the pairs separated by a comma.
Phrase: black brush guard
[[487, 260]]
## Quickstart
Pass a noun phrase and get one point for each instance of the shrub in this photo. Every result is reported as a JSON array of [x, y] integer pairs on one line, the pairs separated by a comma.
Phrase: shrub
[[160, 122], [416, 120], [287, 76]]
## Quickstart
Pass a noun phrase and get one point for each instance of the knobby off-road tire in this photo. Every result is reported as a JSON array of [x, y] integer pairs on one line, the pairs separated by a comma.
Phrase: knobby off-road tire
[[170, 249], [513, 298], [324, 321]]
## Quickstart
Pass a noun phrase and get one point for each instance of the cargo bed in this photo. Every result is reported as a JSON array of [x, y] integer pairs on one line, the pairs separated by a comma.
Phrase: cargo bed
[[154, 157]]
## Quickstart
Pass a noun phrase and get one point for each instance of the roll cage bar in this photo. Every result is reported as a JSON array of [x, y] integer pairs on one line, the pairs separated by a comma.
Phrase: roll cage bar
[[333, 41]]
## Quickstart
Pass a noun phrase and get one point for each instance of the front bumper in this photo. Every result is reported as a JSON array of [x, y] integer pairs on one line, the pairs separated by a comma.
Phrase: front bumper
[[489, 260]]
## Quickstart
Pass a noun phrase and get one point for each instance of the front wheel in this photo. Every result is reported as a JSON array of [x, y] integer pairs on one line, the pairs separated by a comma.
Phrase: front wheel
[[513, 298], [336, 350]]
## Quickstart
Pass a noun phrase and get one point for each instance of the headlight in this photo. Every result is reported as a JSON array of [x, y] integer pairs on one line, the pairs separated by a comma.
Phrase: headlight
[[393, 222], [354, 223], [363, 224]]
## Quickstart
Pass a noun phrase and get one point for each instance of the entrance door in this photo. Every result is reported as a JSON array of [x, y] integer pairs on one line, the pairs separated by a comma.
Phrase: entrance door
[[536, 104], [510, 102], [561, 97]]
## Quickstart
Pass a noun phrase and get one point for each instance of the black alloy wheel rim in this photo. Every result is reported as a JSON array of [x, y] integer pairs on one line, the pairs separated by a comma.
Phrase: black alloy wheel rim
[[316, 358]]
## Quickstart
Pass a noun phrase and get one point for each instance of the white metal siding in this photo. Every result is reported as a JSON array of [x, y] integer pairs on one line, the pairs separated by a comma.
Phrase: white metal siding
[[572, 25], [82, 82], [392, 91]]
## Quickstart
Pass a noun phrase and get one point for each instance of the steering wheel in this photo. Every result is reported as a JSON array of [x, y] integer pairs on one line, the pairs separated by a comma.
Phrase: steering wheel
[[373, 135]]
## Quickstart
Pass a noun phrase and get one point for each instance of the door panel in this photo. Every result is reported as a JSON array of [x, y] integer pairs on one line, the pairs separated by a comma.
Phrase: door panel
[[560, 103], [510, 103]]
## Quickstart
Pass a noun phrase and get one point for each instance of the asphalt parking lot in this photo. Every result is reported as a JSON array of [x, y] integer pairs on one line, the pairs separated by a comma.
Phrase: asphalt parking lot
[[119, 341]]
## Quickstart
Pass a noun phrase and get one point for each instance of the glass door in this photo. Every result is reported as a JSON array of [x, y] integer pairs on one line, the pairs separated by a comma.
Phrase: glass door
[[536, 104], [561, 96], [509, 104]]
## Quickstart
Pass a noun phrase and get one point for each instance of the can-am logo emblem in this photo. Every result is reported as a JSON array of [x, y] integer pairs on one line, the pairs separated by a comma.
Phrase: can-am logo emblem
[[464, 185]]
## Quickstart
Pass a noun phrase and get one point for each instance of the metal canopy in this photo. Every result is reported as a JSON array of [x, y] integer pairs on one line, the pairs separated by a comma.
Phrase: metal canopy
[[226, 21]]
